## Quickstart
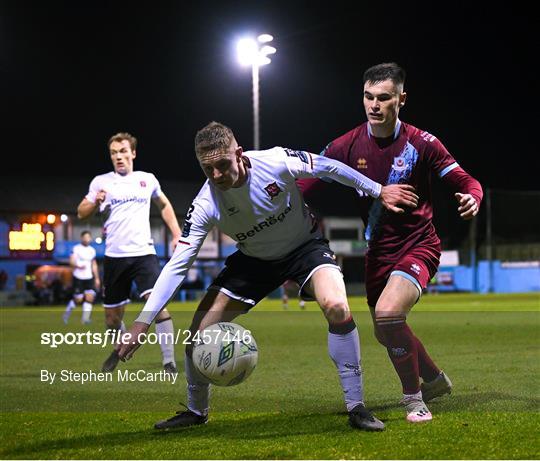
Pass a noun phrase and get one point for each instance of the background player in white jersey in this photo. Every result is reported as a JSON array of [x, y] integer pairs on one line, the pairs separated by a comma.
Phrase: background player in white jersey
[[85, 278], [253, 198], [124, 196]]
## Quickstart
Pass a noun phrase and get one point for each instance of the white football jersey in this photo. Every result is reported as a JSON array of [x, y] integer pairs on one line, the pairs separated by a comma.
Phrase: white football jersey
[[267, 215], [84, 255], [127, 211]]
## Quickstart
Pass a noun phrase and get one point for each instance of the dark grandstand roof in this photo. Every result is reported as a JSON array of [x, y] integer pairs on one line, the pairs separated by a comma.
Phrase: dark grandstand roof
[[62, 195]]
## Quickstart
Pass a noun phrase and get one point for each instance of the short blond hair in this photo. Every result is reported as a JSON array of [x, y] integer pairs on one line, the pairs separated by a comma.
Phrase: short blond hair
[[214, 137], [123, 136]]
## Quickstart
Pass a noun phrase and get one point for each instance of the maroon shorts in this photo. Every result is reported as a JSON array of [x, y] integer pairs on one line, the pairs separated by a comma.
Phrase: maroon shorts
[[420, 264]]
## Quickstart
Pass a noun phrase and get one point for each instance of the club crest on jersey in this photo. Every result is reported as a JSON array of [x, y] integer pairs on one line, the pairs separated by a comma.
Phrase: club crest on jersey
[[399, 164], [361, 164], [143, 183], [273, 190]]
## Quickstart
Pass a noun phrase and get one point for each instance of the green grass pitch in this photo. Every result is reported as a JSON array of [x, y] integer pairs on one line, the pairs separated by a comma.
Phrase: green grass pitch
[[291, 407]]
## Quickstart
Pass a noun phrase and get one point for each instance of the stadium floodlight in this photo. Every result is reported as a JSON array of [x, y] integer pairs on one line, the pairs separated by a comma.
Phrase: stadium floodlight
[[251, 53], [247, 50], [265, 38], [51, 218], [64, 217]]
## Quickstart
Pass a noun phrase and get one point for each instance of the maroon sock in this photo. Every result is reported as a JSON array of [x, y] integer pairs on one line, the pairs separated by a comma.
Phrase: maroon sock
[[402, 350], [428, 370]]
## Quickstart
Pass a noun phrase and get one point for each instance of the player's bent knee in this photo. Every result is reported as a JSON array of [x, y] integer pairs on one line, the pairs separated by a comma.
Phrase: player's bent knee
[[335, 310], [113, 319]]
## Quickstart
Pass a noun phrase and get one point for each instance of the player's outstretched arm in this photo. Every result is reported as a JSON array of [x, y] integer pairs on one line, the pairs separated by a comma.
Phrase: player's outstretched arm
[[392, 197], [196, 227], [169, 281]]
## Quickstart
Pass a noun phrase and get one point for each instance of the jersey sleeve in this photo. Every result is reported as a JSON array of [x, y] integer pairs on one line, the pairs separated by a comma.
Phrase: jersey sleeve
[[93, 190], [439, 160], [447, 168], [461, 181], [310, 187], [305, 165], [156, 187], [199, 221], [333, 150]]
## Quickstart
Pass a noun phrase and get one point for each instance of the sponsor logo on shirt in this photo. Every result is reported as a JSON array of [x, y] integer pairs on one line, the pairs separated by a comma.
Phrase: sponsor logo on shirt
[[143, 183], [272, 190], [268, 222], [121, 201], [361, 164]]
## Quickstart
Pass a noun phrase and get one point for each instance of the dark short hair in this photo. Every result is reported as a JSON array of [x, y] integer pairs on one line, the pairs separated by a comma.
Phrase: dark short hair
[[84, 232], [385, 71], [212, 138], [123, 136]]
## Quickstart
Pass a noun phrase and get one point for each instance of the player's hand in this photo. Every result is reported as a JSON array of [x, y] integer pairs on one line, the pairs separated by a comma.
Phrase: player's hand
[[397, 196], [130, 340], [468, 208], [100, 197]]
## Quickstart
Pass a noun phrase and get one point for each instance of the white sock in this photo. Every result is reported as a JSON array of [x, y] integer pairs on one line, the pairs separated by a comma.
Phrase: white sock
[[165, 332], [344, 349], [198, 389], [417, 396], [71, 305], [86, 311]]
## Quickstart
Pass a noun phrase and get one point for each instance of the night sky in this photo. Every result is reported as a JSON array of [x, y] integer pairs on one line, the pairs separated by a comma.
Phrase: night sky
[[74, 75]]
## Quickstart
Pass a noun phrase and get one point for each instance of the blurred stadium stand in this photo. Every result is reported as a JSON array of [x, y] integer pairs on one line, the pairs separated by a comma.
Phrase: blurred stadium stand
[[507, 230]]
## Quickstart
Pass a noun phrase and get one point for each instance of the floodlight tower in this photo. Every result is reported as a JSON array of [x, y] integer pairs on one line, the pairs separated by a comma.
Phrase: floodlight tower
[[255, 53]]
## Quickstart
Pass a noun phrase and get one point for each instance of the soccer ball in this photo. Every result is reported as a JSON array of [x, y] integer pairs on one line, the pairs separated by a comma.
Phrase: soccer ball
[[225, 353]]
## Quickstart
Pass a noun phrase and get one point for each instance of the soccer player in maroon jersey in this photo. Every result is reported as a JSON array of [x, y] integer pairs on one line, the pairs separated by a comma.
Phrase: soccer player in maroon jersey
[[404, 249]]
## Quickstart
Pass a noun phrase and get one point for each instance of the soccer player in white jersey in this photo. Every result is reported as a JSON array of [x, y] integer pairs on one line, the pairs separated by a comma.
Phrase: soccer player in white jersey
[[124, 196], [253, 198], [85, 278]]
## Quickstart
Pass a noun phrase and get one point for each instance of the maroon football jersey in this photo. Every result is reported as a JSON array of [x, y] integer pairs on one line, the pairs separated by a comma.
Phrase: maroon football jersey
[[410, 158]]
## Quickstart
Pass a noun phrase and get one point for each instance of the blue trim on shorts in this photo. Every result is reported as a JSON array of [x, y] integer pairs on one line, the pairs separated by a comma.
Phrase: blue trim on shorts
[[409, 277]]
